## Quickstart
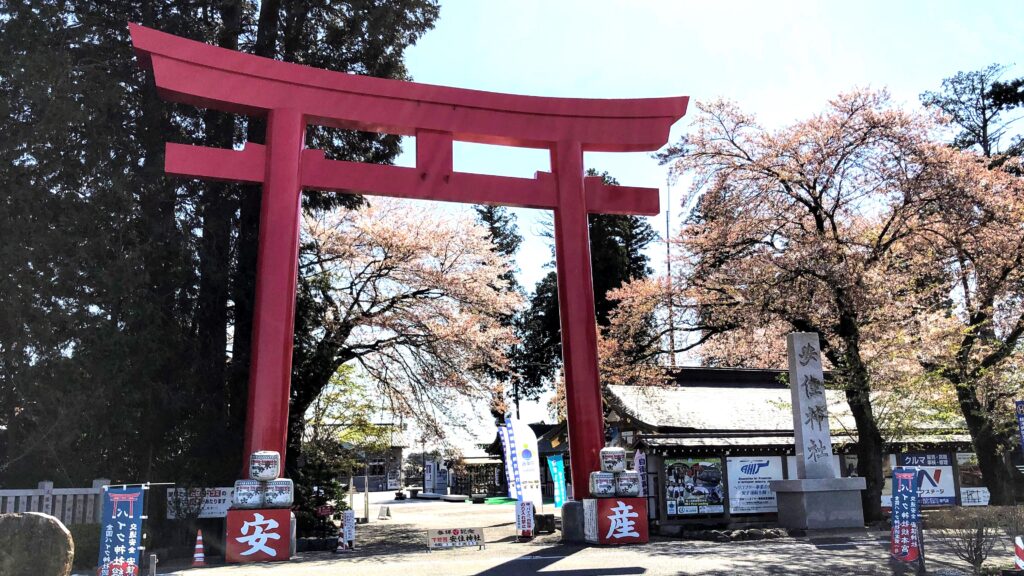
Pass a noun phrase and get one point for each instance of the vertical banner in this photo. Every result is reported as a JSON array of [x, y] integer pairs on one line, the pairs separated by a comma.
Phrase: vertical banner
[[428, 476], [513, 462], [1019, 404], [121, 531], [640, 465], [906, 515], [513, 488], [557, 468], [527, 461]]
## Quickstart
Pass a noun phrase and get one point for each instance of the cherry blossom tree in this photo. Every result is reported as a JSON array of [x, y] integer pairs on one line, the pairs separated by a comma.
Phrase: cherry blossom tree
[[804, 229], [413, 298], [972, 339]]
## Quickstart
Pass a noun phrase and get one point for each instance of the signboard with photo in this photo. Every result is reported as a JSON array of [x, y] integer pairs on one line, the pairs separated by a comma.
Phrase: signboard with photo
[[749, 492], [972, 490], [694, 486]]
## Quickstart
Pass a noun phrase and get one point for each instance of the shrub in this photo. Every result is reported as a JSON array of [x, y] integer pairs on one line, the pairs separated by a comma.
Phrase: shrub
[[87, 545], [971, 533]]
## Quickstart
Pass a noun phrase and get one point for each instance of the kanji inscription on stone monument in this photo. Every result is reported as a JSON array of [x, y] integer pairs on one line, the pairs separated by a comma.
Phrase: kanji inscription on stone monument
[[810, 407]]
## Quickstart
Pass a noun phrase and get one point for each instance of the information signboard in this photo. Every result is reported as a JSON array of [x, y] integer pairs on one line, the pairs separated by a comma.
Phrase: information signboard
[[210, 502], [934, 477], [455, 538], [749, 492], [524, 517]]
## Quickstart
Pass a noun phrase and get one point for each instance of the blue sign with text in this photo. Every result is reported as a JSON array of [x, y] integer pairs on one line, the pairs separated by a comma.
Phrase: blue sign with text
[[557, 468], [121, 531]]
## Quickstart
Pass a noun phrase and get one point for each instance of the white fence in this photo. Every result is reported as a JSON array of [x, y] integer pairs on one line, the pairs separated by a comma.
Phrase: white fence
[[71, 505]]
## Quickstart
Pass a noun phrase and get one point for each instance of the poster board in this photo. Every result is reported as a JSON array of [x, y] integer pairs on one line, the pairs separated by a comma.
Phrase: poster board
[[694, 486], [749, 477]]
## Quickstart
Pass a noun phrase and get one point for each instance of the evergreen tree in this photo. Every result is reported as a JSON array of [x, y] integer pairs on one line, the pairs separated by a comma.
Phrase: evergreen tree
[[617, 243], [120, 286]]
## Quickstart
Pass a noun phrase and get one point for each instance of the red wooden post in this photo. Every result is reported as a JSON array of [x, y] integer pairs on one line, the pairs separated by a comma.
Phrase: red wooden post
[[577, 318], [266, 423], [292, 95]]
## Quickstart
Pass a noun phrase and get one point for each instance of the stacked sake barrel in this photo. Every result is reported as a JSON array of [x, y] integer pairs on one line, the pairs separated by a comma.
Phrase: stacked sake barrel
[[264, 488], [614, 480]]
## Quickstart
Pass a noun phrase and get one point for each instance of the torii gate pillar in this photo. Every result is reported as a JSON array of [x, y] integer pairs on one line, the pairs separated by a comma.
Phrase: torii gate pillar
[[292, 97], [584, 408]]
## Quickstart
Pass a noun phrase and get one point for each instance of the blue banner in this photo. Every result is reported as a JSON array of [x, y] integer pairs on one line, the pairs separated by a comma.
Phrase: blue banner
[[557, 468], [121, 531], [906, 515], [1020, 421]]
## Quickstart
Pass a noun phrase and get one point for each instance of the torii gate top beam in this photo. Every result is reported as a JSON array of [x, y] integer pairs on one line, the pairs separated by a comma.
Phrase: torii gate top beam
[[207, 76]]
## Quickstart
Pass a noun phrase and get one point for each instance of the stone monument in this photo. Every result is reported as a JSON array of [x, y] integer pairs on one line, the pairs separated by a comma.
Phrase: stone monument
[[818, 498]]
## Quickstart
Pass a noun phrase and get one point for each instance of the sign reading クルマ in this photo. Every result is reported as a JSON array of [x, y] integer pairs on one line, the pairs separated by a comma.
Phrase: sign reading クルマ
[[120, 531], [906, 515], [455, 538], [934, 477]]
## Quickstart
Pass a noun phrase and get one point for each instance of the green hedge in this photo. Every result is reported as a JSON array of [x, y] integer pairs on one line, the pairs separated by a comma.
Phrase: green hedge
[[87, 545]]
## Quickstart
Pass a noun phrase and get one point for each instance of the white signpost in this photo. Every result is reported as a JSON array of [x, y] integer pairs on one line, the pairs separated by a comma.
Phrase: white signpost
[[455, 538]]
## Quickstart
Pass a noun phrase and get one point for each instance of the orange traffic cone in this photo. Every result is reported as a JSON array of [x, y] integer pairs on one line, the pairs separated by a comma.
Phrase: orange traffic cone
[[199, 559]]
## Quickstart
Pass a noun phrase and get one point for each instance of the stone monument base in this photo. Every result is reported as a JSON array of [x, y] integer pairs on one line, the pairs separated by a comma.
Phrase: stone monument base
[[819, 503], [572, 522]]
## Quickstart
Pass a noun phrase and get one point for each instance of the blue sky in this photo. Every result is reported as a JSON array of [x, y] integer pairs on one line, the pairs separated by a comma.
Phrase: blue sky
[[781, 60]]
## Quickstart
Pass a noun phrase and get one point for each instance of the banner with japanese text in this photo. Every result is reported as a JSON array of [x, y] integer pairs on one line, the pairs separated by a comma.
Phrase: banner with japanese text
[[121, 531], [510, 477], [525, 461], [557, 468], [906, 515]]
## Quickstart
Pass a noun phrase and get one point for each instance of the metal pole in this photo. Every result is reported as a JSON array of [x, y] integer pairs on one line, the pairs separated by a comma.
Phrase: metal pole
[[668, 274]]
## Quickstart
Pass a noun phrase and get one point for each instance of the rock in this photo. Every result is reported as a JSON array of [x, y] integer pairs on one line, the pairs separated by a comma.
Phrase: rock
[[34, 544]]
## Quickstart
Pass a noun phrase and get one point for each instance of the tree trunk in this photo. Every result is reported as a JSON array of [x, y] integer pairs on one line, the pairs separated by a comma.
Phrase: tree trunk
[[988, 445]]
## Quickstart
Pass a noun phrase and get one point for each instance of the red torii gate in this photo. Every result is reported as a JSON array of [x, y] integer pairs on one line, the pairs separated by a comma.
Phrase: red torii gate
[[291, 97]]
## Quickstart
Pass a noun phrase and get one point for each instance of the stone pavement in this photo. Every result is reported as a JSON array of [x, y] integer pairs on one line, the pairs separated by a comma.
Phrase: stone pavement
[[397, 548]]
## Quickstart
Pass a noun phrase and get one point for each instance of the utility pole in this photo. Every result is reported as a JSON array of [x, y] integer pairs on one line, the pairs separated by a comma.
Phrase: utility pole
[[668, 265]]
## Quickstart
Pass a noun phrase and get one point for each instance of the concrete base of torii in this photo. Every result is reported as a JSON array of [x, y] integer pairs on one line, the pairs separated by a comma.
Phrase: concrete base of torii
[[820, 503]]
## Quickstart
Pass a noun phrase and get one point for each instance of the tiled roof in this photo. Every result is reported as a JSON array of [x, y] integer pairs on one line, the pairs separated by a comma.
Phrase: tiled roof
[[717, 408]]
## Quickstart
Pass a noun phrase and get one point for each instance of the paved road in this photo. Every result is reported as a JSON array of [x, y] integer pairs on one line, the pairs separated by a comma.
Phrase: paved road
[[396, 548]]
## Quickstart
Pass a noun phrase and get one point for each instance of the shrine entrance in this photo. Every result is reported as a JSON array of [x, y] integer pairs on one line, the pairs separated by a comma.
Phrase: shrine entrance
[[292, 96]]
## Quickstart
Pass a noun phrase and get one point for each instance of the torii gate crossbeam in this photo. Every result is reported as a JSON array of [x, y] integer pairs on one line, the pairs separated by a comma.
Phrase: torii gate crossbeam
[[292, 97]]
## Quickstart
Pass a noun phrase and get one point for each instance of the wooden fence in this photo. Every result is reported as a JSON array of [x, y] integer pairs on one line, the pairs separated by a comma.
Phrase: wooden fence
[[70, 505]]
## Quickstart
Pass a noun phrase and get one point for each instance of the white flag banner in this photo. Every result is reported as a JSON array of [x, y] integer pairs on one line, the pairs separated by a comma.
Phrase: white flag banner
[[524, 445], [513, 489]]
